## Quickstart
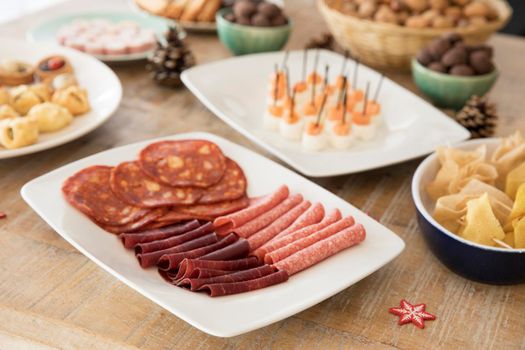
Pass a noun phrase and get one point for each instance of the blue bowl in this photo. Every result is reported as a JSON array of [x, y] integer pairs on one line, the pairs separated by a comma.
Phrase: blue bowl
[[471, 260]]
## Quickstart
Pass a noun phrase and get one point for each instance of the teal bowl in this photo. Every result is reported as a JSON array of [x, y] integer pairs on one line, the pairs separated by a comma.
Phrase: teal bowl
[[451, 91], [242, 39]]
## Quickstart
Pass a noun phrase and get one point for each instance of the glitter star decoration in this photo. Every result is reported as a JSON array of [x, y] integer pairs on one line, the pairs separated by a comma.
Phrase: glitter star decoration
[[409, 313]]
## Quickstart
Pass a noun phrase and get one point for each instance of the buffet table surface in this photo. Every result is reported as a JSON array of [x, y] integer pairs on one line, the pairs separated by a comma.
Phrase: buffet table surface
[[52, 295]]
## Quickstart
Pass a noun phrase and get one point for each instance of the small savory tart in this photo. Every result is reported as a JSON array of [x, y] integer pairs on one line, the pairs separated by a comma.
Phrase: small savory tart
[[73, 98], [272, 117], [291, 126], [314, 138], [18, 132], [50, 117], [363, 127], [63, 81], [50, 67], [7, 112], [13, 72], [341, 136], [22, 99]]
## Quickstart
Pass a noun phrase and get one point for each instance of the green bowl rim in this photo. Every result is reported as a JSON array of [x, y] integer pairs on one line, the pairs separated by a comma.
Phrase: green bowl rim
[[450, 78], [219, 18]]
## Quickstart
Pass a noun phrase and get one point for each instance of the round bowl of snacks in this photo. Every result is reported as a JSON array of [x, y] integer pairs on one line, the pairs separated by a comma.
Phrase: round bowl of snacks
[[470, 203], [388, 33], [253, 26], [450, 71]]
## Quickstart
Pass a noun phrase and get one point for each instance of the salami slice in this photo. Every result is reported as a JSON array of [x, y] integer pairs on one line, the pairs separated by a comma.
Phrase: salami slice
[[323, 249], [138, 225], [172, 261], [236, 250], [225, 224], [173, 241], [133, 186], [239, 276], [196, 163], [259, 238], [153, 258], [274, 244], [173, 215], [231, 186], [270, 216], [130, 240], [312, 216], [187, 266], [221, 289], [89, 192], [295, 246]]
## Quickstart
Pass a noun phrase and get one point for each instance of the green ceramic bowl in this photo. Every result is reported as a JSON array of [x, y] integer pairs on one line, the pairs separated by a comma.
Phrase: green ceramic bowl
[[451, 91], [241, 39]]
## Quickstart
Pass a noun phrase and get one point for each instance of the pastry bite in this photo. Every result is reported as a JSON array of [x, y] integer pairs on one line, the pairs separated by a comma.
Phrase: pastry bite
[[291, 125], [50, 67], [14, 72], [334, 116], [63, 81], [43, 91], [73, 98], [341, 136], [362, 121], [18, 132], [314, 137], [4, 96], [272, 117], [301, 92], [22, 99], [50, 117], [7, 112]]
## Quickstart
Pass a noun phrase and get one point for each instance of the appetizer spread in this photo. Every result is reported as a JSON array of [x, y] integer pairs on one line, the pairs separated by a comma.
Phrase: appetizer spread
[[450, 55], [183, 10], [420, 13], [480, 195], [37, 99], [101, 37], [319, 113], [183, 208]]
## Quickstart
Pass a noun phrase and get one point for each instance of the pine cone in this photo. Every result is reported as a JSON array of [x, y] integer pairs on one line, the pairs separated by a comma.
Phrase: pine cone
[[170, 59], [478, 116], [326, 41]]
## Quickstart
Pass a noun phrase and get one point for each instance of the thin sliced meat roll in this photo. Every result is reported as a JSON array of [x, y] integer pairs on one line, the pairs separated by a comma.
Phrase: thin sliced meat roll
[[187, 266], [236, 250], [173, 241], [295, 246], [313, 215], [198, 272], [130, 240], [239, 276], [274, 244], [153, 258], [260, 237], [225, 224], [221, 289], [267, 218], [171, 261], [323, 249]]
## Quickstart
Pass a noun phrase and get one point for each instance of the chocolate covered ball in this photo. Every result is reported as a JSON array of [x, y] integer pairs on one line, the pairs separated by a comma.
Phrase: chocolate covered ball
[[245, 21], [424, 57], [480, 61], [437, 67], [244, 8], [269, 10], [279, 20], [453, 37], [438, 47], [482, 47], [229, 17], [260, 20], [455, 56], [461, 69]]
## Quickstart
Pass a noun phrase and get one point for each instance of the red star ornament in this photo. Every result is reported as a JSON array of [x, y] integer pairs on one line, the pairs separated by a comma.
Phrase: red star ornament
[[411, 313]]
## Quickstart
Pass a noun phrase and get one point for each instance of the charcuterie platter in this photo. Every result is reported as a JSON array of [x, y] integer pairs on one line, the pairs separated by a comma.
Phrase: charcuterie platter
[[390, 136], [284, 244]]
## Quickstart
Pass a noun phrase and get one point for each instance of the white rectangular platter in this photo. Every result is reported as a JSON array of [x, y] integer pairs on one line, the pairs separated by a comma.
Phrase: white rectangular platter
[[236, 91], [222, 316]]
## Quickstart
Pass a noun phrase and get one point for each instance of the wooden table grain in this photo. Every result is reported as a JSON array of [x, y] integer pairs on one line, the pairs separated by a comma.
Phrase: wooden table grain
[[52, 296]]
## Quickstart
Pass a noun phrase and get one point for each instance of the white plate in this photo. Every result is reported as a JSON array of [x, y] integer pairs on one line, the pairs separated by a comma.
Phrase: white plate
[[47, 31], [235, 90], [103, 86], [230, 315]]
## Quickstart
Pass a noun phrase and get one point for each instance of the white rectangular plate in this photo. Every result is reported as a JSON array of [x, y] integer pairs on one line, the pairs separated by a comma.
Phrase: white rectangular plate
[[235, 90], [230, 315]]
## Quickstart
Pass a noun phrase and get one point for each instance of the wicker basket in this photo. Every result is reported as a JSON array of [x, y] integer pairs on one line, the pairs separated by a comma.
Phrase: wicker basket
[[390, 46]]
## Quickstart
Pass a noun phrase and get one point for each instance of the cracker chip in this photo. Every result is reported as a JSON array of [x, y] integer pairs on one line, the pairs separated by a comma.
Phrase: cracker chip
[[481, 225], [514, 179], [509, 154]]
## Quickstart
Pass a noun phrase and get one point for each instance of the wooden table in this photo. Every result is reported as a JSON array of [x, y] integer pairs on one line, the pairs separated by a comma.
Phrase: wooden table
[[52, 295]]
